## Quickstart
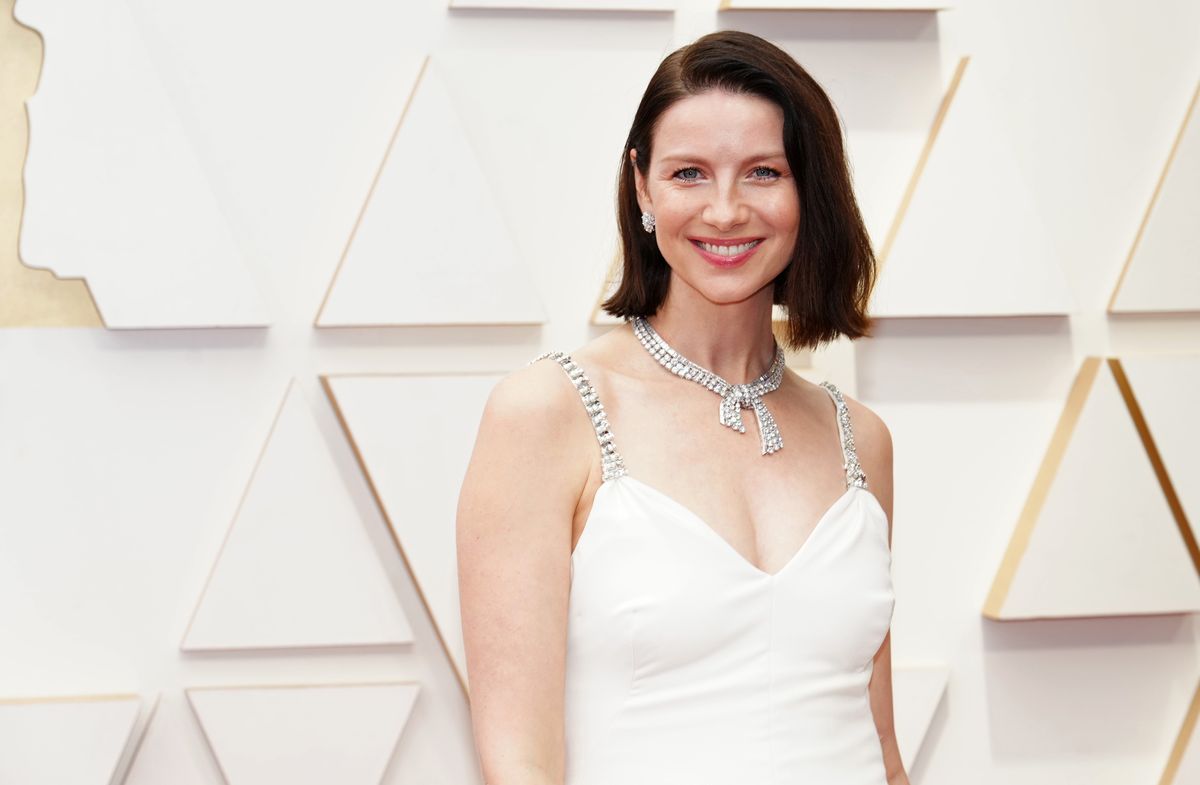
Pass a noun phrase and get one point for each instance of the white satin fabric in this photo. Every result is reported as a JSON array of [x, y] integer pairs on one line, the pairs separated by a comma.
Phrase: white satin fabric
[[688, 665]]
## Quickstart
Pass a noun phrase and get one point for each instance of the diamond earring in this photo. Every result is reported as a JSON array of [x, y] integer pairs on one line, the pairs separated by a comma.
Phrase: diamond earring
[[648, 222]]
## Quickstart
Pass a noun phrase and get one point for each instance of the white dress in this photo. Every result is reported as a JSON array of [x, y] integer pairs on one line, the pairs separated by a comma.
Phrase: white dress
[[688, 665]]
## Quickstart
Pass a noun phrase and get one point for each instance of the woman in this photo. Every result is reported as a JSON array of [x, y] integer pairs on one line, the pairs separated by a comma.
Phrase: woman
[[655, 593]]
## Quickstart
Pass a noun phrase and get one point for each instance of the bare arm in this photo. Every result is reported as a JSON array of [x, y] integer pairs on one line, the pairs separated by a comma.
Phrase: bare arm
[[513, 532], [881, 707], [875, 453]]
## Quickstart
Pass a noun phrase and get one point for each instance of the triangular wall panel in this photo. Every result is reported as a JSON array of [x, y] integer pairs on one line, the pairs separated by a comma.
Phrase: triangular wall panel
[[1097, 536], [297, 567], [1162, 271], [52, 741], [967, 240], [171, 749], [126, 205], [431, 246], [304, 735], [413, 435]]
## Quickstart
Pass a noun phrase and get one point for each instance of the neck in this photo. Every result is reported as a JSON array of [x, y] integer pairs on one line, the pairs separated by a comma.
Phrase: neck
[[733, 340]]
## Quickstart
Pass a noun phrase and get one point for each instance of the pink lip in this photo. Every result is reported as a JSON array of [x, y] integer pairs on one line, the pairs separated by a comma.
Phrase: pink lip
[[724, 240], [725, 261]]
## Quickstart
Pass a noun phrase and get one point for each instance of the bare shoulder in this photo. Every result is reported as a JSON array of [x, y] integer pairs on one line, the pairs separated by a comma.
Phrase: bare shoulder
[[535, 393], [534, 423]]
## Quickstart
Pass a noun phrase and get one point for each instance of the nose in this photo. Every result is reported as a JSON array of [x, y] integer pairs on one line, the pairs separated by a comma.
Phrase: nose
[[726, 209]]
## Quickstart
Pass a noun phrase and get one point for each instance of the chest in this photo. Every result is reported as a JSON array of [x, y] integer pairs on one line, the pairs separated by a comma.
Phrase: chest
[[763, 506]]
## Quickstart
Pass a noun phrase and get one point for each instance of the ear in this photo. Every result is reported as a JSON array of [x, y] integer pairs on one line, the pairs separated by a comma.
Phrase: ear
[[643, 197]]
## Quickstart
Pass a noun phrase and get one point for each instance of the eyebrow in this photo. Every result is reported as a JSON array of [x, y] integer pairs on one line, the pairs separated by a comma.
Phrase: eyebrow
[[700, 159]]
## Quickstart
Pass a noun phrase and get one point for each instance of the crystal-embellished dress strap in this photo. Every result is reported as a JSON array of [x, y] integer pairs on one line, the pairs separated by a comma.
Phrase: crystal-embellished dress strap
[[610, 460], [854, 473]]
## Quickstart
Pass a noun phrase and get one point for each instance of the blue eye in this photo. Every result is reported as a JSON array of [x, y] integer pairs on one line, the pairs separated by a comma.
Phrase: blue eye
[[687, 169], [770, 171]]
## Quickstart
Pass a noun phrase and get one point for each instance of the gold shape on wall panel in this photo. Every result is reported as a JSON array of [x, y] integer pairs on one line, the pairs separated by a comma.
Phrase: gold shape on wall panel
[[1065, 431], [112, 202], [1186, 749], [1183, 163], [29, 296], [238, 723]]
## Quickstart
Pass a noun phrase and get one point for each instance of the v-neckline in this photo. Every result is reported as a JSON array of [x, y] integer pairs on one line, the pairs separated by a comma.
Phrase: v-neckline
[[722, 543]]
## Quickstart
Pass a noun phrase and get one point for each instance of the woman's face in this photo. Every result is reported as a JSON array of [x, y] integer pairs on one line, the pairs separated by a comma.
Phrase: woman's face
[[724, 201]]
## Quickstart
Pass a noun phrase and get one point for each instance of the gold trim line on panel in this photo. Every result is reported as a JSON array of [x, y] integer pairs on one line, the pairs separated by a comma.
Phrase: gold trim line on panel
[[371, 192], [1162, 177], [935, 129], [212, 570], [344, 421], [1076, 398], [362, 211], [1186, 731], [1160, 468]]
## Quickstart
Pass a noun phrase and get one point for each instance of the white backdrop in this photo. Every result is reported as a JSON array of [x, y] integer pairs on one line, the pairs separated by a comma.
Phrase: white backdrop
[[125, 454]]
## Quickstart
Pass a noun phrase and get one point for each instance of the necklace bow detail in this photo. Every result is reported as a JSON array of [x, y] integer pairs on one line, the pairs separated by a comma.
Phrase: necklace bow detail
[[734, 397]]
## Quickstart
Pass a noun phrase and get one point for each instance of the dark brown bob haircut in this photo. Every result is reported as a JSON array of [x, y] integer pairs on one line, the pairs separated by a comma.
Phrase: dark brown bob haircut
[[827, 284]]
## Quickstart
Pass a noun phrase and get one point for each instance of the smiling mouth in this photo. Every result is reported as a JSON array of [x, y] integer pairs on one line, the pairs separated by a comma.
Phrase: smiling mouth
[[725, 249]]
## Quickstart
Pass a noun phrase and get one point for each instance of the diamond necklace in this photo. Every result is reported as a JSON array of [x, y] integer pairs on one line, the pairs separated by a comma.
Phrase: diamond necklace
[[734, 397]]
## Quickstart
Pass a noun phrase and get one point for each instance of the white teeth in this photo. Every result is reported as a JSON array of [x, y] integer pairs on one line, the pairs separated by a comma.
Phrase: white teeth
[[729, 250]]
